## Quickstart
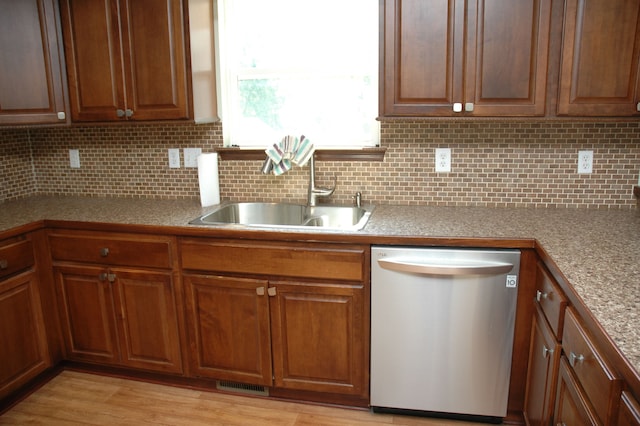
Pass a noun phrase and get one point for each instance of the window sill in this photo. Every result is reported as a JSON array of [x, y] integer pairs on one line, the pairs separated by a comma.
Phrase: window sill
[[364, 154]]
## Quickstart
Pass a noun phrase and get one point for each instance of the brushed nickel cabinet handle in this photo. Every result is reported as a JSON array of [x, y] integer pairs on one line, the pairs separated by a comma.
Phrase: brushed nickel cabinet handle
[[260, 291], [546, 351], [575, 359], [271, 291], [540, 295]]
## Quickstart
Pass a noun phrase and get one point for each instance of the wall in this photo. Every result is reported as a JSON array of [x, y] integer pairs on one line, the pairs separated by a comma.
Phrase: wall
[[16, 165], [501, 162]]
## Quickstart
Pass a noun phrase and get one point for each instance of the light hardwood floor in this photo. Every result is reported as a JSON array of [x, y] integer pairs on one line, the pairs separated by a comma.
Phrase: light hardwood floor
[[74, 398]]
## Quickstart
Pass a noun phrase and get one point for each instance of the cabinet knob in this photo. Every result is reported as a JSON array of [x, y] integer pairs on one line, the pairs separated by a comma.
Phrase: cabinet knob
[[4, 263], [575, 359], [638, 106], [120, 113], [468, 107], [128, 113], [111, 277], [62, 115], [260, 291], [540, 295], [271, 291], [546, 351], [457, 107], [104, 252], [102, 276]]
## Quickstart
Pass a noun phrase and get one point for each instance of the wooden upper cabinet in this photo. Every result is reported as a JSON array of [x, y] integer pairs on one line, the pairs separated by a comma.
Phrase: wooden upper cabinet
[[31, 80], [599, 73], [126, 59], [487, 56]]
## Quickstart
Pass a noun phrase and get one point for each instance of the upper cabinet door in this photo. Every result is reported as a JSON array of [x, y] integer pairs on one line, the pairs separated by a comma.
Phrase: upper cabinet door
[[154, 60], [422, 56], [600, 54], [507, 56], [93, 52], [126, 59], [31, 80], [465, 57]]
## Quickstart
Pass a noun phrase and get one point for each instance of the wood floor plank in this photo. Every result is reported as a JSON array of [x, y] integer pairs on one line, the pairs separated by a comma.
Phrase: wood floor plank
[[74, 398]]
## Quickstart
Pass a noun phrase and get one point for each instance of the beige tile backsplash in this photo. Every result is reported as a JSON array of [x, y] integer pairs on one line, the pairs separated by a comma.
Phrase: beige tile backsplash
[[508, 162]]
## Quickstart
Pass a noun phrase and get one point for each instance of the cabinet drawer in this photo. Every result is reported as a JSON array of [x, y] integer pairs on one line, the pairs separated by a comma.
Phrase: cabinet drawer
[[597, 378], [15, 257], [551, 299], [111, 249], [325, 261]]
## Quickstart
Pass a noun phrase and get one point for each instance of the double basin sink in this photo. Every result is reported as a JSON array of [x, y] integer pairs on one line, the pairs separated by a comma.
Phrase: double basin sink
[[284, 215]]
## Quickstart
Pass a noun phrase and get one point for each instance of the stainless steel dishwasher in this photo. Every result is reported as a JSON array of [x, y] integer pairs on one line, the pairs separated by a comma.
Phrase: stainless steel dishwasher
[[442, 325]]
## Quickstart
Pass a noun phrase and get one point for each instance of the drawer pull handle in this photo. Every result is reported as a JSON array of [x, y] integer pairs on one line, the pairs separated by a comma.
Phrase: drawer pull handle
[[546, 351], [4, 263], [104, 252], [574, 359], [540, 295], [260, 291]]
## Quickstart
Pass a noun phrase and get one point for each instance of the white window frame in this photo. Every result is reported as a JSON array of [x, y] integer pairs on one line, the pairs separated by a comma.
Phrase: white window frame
[[230, 102]]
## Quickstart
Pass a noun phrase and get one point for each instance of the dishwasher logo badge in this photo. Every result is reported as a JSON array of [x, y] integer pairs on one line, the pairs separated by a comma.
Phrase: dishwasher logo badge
[[512, 281]]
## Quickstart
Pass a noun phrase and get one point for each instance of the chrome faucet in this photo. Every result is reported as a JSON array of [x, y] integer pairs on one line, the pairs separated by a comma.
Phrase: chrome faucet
[[314, 192]]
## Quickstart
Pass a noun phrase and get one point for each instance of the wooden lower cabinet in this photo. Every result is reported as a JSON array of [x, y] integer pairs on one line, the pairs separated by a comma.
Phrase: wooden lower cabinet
[[292, 316], [629, 414], [544, 357], [318, 337], [24, 352], [313, 334], [119, 316], [572, 407], [228, 320]]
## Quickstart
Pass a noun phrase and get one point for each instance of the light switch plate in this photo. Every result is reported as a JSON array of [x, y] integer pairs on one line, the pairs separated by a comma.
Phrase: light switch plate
[[191, 157]]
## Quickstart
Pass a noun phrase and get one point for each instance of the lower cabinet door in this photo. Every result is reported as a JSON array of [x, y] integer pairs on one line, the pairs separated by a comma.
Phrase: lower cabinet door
[[228, 322], [319, 338], [542, 373], [572, 408], [86, 309], [147, 320], [24, 345]]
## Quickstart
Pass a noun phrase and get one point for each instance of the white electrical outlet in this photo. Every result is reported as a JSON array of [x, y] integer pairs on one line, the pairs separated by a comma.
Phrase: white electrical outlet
[[174, 158], [74, 158], [585, 162], [191, 156], [443, 159]]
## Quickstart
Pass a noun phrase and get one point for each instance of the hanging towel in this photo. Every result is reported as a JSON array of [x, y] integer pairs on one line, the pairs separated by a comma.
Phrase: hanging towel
[[304, 151], [289, 149]]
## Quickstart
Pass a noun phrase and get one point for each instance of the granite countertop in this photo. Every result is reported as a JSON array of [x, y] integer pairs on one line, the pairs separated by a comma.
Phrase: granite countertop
[[596, 250]]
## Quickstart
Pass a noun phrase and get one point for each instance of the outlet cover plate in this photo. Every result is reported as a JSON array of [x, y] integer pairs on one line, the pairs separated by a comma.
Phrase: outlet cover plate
[[74, 158], [443, 159], [191, 157], [585, 162]]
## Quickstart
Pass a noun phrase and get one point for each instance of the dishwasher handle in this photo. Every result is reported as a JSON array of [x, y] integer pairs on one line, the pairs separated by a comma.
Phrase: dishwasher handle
[[459, 268]]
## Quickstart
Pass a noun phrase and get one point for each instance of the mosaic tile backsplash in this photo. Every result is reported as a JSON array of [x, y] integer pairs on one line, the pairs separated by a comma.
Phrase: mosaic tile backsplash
[[497, 163]]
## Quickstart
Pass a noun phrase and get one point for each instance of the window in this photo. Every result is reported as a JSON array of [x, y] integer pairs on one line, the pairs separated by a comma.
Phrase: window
[[299, 67]]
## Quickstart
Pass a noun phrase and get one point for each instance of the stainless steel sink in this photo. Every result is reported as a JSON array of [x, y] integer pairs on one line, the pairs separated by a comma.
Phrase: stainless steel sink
[[286, 215]]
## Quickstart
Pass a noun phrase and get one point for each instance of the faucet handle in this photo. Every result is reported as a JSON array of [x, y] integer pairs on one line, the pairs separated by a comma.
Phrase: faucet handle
[[358, 199]]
